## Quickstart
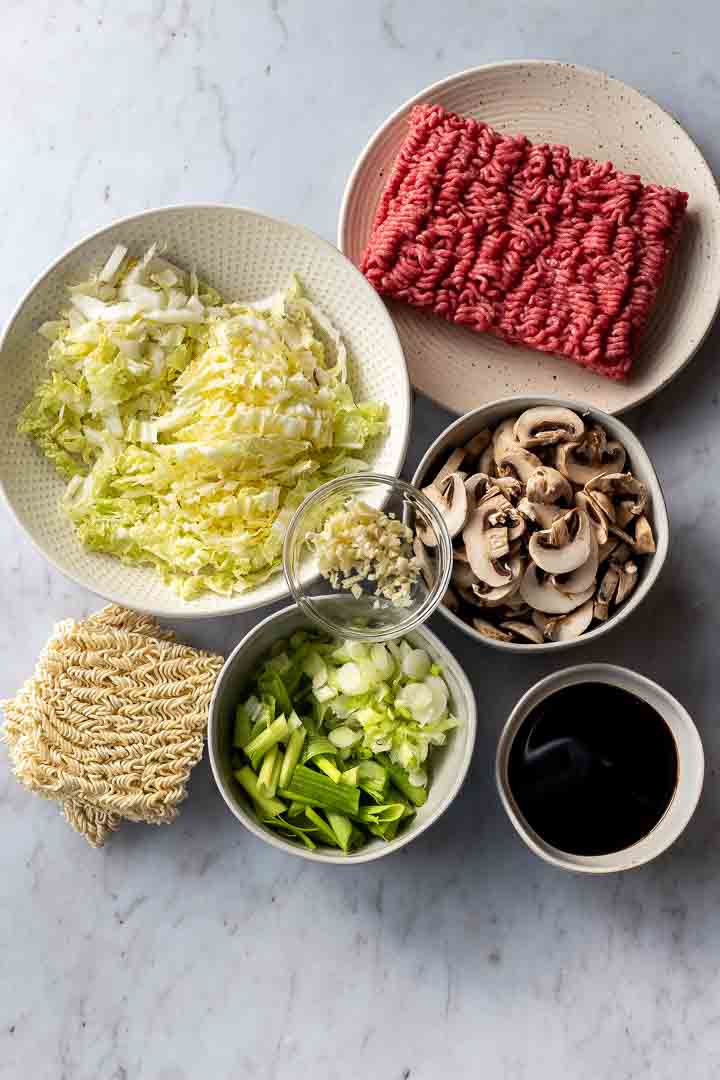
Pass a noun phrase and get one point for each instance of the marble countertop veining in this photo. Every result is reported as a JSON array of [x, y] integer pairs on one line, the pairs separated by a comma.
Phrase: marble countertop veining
[[196, 951]]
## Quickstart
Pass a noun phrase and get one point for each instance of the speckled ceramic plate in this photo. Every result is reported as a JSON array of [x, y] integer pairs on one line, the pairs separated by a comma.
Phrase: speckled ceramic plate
[[596, 116]]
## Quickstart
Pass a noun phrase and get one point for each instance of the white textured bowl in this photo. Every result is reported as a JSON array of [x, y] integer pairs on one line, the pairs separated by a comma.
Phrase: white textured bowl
[[245, 255], [691, 768], [597, 116], [462, 430], [449, 763]]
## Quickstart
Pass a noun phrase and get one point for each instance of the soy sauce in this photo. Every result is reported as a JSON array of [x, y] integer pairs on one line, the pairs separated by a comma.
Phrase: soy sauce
[[593, 769]]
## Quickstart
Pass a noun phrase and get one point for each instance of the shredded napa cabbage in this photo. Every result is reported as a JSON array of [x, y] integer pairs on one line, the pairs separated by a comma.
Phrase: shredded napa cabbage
[[190, 429]]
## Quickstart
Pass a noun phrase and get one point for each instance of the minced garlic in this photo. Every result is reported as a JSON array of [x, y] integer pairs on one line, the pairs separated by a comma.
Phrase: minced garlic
[[360, 543]]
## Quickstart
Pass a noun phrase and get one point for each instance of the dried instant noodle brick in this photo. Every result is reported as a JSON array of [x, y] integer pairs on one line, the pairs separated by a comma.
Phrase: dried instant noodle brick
[[112, 721], [558, 253]]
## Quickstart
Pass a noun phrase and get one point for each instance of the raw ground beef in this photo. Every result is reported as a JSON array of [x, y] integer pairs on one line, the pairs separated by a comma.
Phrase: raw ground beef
[[557, 253]]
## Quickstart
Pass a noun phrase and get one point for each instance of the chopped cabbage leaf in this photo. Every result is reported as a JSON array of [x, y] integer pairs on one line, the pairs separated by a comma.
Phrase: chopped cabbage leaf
[[189, 429]]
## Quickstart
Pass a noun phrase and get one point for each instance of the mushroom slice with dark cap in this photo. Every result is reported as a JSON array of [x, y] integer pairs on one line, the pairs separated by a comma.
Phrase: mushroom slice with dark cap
[[504, 438], [565, 546], [582, 461], [619, 486], [488, 630], [486, 543], [546, 425], [606, 592], [546, 597], [570, 626], [547, 485], [452, 502], [584, 576], [523, 630], [644, 541], [627, 581]]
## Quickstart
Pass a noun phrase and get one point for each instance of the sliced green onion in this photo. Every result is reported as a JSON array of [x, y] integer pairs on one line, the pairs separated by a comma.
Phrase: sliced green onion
[[328, 767], [268, 807], [258, 747], [342, 827], [270, 683], [292, 755], [243, 726], [344, 737], [318, 745], [308, 786], [291, 830], [398, 775], [322, 826], [378, 815], [270, 771]]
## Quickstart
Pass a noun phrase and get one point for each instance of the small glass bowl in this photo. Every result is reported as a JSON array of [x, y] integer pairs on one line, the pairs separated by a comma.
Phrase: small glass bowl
[[368, 617]]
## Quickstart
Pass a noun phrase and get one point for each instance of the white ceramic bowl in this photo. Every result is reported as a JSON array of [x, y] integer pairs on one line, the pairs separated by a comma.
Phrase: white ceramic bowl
[[449, 763], [691, 767], [462, 430], [245, 255]]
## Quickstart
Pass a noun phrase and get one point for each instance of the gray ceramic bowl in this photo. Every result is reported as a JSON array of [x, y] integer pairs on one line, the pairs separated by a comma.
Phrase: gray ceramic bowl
[[490, 415], [691, 767], [449, 763]]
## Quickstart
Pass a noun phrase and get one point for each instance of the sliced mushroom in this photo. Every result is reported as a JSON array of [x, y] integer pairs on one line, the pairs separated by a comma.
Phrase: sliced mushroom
[[511, 488], [565, 546], [584, 577], [624, 513], [452, 465], [483, 540], [523, 630], [644, 541], [627, 581], [504, 438], [542, 514], [421, 554], [569, 460], [511, 519], [619, 485], [546, 425], [546, 597], [478, 443], [489, 631], [547, 485], [568, 627], [499, 595], [601, 502], [605, 592], [518, 462], [477, 486], [598, 519], [452, 502]]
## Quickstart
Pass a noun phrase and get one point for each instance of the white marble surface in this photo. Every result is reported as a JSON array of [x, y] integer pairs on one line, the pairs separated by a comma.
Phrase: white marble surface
[[196, 951]]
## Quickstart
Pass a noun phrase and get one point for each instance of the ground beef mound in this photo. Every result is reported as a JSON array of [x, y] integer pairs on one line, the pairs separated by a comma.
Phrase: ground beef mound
[[557, 253]]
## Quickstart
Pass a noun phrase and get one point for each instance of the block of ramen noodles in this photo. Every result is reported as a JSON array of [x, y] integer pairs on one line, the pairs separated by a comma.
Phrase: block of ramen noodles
[[559, 253]]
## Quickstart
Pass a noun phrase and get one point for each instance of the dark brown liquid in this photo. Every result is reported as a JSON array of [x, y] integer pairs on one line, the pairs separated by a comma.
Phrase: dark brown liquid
[[593, 769]]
